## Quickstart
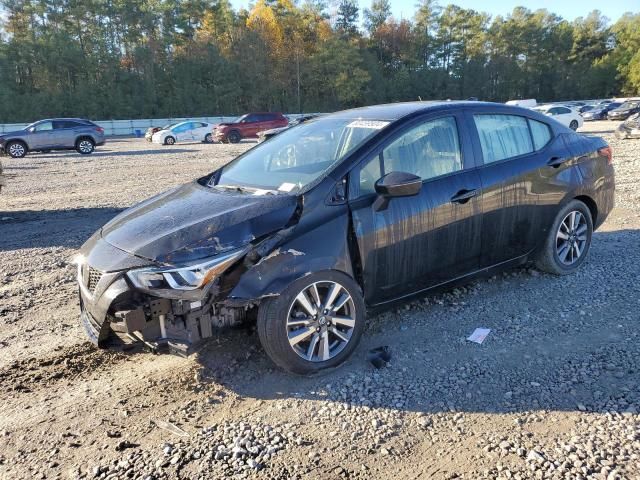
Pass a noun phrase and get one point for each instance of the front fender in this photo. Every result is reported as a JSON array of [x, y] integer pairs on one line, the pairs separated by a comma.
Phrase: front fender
[[322, 248]]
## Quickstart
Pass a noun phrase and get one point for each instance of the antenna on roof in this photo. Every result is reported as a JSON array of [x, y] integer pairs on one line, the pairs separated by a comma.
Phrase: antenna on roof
[[419, 98]]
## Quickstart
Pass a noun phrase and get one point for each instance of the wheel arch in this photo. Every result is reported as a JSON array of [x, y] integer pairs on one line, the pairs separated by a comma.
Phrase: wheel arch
[[19, 140], [82, 137], [322, 248], [591, 204]]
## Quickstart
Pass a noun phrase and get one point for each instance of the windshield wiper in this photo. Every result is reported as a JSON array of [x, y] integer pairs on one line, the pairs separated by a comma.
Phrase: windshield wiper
[[245, 189]]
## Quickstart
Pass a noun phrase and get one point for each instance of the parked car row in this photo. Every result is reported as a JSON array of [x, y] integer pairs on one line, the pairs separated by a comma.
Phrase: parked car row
[[260, 125]]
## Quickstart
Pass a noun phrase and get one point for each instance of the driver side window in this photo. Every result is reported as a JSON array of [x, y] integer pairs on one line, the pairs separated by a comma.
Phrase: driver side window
[[44, 126], [427, 150]]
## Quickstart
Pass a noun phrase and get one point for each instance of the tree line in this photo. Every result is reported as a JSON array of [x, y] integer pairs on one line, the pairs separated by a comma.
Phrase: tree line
[[107, 59]]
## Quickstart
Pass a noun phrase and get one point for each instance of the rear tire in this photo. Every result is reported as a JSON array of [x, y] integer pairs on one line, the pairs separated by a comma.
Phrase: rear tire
[[573, 125], [169, 141], [234, 137], [326, 339], [568, 240], [16, 149], [85, 146]]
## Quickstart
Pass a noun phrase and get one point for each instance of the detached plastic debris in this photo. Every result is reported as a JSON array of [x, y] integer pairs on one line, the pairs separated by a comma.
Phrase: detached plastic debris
[[170, 427], [478, 335], [379, 357]]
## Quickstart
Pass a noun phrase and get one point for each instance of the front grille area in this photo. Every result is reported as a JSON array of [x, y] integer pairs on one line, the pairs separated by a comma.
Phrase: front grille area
[[93, 276]]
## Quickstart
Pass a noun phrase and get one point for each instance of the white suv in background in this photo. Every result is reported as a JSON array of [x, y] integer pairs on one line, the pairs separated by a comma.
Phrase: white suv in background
[[565, 115]]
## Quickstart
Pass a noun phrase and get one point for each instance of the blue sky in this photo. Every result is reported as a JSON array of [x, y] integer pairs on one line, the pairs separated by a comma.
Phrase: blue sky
[[567, 9]]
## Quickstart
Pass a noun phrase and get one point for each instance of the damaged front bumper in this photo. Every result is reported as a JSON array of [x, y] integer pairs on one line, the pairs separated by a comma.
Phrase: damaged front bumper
[[115, 312]]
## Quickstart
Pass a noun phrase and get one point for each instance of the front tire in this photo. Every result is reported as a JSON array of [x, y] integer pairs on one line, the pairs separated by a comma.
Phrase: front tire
[[208, 138], [573, 125], [16, 149], [169, 141], [568, 240], [234, 137], [85, 146], [314, 324]]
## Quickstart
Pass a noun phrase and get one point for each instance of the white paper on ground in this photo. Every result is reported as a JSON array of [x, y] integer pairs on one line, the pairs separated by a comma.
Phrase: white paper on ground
[[478, 335]]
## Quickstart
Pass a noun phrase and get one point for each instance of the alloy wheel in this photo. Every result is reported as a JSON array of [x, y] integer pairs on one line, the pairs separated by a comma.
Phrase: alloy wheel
[[16, 150], [321, 321], [571, 237], [85, 146]]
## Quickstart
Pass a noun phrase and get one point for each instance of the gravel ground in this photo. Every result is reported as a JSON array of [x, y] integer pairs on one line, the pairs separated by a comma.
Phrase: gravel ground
[[554, 391]]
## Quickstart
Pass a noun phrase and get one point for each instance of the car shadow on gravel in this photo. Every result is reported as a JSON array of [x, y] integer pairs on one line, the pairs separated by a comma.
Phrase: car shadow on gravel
[[51, 228], [556, 343]]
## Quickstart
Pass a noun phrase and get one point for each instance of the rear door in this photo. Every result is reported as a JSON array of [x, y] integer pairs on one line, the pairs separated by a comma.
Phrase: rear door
[[64, 132], [420, 241], [513, 150]]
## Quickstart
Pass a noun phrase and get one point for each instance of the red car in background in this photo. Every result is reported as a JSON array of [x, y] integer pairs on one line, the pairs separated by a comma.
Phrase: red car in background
[[248, 126]]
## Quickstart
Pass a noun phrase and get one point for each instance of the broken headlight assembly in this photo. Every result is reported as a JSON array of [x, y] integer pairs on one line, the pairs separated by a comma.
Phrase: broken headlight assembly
[[184, 278]]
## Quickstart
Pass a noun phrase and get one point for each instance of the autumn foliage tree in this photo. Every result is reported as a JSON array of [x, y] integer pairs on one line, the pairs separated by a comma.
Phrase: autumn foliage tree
[[156, 58]]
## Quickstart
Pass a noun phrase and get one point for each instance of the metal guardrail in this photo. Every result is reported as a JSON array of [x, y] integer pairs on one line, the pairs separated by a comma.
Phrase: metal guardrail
[[134, 127]]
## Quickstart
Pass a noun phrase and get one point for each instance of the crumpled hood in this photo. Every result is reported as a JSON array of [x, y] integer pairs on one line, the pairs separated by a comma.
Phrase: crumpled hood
[[192, 222]]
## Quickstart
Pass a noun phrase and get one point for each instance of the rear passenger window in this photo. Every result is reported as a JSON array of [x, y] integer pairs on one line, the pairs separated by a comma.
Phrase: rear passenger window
[[541, 133], [503, 136]]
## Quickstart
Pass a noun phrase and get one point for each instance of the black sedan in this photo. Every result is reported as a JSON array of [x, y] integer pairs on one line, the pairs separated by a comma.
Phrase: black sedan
[[342, 216], [624, 111], [599, 112]]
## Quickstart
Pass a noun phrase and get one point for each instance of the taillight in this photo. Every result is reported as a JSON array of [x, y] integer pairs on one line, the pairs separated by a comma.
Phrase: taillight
[[100, 129], [607, 152]]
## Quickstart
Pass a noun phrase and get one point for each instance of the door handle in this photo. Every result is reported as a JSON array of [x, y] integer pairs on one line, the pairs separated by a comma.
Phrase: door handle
[[555, 162], [463, 196]]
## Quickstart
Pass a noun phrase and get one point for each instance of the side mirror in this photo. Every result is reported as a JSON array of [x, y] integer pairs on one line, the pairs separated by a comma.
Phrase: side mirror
[[396, 184]]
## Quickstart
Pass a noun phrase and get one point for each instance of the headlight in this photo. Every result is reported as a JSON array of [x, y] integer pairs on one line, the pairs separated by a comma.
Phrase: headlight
[[188, 277]]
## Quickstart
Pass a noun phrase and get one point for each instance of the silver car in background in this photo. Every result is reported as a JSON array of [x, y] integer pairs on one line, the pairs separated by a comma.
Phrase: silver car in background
[[53, 134]]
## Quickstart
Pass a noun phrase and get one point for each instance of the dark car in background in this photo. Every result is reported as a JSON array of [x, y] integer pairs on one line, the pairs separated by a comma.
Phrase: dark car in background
[[53, 134], [248, 126], [624, 111], [350, 213], [600, 111], [266, 134]]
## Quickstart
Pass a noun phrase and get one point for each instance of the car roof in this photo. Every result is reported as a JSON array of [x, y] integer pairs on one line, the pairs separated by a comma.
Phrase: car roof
[[63, 118], [395, 111]]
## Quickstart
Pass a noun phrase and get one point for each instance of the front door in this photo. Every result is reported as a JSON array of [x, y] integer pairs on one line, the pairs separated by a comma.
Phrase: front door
[[425, 240], [42, 135]]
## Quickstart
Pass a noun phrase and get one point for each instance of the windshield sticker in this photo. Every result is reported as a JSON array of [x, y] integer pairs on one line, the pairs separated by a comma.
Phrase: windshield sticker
[[286, 187], [260, 191], [373, 124]]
